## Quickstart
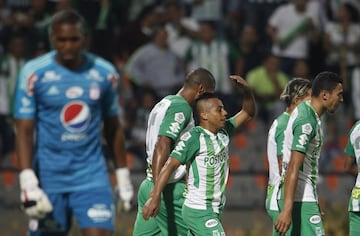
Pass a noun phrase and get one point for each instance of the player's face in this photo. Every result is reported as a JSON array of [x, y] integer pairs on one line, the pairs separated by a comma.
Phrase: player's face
[[334, 98], [69, 41], [216, 114]]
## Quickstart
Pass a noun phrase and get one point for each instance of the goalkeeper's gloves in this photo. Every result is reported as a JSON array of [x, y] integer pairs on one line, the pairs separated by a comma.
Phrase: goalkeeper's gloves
[[125, 188], [34, 201]]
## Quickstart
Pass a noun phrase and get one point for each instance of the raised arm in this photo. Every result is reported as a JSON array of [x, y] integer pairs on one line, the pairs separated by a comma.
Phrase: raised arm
[[249, 108], [152, 206]]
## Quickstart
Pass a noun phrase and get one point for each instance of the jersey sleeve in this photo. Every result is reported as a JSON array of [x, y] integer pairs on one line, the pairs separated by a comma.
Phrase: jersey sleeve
[[230, 126], [186, 148], [175, 120], [111, 98], [25, 103], [349, 148], [303, 131]]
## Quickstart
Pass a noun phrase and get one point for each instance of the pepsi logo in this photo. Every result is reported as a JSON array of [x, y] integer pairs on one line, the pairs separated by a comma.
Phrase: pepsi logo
[[75, 116]]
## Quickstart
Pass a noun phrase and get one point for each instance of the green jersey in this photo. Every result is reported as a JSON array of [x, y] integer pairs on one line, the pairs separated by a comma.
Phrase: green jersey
[[170, 117], [274, 150], [353, 150], [303, 134], [207, 155]]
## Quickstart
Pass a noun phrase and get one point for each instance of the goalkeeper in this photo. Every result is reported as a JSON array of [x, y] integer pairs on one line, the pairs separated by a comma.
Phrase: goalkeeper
[[64, 97]]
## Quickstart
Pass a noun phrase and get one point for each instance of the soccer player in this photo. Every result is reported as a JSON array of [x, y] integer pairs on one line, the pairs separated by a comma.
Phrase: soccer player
[[169, 118], [296, 91], [204, 149], [303, 140], [352, 165], [62, 98]]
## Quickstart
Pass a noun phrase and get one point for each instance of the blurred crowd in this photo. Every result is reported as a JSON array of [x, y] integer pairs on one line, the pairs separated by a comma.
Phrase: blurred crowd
[[155, 43]]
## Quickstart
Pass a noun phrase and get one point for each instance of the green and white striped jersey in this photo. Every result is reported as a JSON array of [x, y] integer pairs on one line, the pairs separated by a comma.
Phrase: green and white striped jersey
[[207, 157], [353, 150], [170, 117], [274, 149], [304, 134]]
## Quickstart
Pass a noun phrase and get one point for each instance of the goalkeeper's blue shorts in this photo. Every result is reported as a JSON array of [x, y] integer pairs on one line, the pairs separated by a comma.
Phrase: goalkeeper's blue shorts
[[91, 209]]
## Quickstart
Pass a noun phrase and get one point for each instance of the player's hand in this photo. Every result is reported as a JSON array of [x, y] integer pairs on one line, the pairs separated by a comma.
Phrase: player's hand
[[283, 222], [125, 188], [151, 207], [35, 202], [240, 81]]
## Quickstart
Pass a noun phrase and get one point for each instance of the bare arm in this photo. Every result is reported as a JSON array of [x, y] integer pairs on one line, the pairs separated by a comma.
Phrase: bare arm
[[249, 108], [160, 155], [114, 136], [280, 160], [24, 142], [350, 166], [152, 206], [283, 222]]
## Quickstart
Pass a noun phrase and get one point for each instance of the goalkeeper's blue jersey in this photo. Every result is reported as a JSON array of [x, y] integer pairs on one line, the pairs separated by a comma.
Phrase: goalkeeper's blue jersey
[[68, 107]]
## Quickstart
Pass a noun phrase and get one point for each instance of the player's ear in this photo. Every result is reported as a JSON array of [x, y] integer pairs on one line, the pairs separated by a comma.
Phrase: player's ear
[[325, 95]]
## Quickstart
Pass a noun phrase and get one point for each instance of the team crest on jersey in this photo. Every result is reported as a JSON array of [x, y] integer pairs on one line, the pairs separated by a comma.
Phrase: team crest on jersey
[[179, 117], [74, 92], [94, 92], [75, 116]]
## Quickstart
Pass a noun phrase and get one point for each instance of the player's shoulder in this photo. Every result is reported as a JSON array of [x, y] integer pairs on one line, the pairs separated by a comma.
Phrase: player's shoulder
[[39, 62], [101, 62]]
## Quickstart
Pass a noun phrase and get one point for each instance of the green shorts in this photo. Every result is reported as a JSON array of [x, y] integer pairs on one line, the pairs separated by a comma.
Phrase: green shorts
[[202, 222], [169, 220], [306, 219], [354, 223]]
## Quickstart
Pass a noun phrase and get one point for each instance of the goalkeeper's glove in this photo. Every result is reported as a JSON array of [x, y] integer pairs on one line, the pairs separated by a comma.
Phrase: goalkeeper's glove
[[34, 201], [125, 188]]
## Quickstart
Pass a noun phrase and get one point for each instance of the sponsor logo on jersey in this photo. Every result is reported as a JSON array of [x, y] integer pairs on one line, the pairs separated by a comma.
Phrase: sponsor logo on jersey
[[50, 76], [53, 90], [306, 128], [319, 231], [95, 75], [216, 159], [302, 141], [25, 103], [75, 116], [179, 117], [179, 147], [174, 127], [74, 92], [211, 223], [94, 92], [315, 219], [30, 84], [224, 138], [99, 213], [186, 136]]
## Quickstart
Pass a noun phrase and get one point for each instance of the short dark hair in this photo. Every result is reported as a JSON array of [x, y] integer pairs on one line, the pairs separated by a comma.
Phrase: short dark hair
[[297, 87], [203, 97], [325, 80], [200, 76], [67, 16]]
